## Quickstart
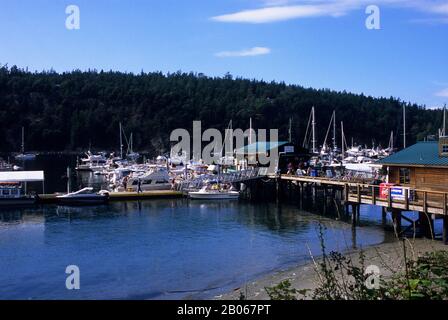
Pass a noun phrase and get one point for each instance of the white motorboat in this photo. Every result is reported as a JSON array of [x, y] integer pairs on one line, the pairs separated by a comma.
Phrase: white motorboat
[[207, 193], [156, 178], [84, 196], [93, 162]]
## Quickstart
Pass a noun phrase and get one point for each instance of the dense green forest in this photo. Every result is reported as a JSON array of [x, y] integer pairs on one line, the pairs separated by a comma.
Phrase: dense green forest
[[73, 110]]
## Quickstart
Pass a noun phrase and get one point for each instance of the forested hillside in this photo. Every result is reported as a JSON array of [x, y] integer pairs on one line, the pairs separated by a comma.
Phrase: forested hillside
[[71, 111]]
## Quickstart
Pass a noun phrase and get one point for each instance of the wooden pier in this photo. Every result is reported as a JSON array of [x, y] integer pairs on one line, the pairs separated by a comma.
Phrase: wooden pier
[[430, 204]]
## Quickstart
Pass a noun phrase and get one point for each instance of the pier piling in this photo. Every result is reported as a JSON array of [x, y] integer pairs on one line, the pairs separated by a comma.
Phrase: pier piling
[[426, 225], [396, 218], [445, 230]]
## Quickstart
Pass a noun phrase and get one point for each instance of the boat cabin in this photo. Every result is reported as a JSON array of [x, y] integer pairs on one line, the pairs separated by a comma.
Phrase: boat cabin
[[10, 190], [421, 166]]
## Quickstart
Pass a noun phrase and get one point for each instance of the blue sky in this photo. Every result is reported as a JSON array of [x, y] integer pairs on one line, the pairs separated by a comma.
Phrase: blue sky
[[320, 44]]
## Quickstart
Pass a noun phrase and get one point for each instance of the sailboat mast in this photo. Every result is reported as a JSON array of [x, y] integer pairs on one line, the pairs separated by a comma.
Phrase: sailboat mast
[[23, 140], [290, 130], [121, 142], [444, 121], [334, 131], [391, 141], [250, 130], [68, 180], [313, 114], [342, 139], [404, 127]]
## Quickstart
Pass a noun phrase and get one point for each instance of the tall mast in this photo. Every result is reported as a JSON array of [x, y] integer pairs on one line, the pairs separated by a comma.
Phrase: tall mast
[[404, 126], [305, 143], [444, 121], [334, 131], [391, 141], [23, 140], [224, 145], [290, 130], [342, 139], [250, 130], [68, 180], [314, 129], [121, 142]]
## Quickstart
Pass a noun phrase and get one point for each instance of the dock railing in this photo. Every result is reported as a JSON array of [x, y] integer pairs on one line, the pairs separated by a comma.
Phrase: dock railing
[[398, 197], [362, 190]]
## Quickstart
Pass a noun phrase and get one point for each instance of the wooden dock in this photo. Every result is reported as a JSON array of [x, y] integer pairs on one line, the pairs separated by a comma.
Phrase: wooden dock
[[122, 196], [428, 201], [430, 204]]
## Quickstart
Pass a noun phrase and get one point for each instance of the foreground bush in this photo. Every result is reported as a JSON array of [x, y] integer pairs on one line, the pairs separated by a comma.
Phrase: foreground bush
[[340, 279]]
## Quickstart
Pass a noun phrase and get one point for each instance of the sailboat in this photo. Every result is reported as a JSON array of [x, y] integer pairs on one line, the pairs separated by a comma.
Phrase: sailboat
[[311, 135], [131, 155], [25, 156], [326, 150]]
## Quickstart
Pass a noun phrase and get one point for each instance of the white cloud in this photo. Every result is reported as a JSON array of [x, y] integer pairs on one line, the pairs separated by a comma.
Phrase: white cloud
[[281, 10], [281, 13], [255, 51], [442, 93], [439, 8]]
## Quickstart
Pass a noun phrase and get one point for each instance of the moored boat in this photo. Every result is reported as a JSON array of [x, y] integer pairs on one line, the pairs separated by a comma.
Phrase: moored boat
[[24, 156], [210, 193], [86, 196], [93, 162], [11, 195], [13, 187], [154, 178]]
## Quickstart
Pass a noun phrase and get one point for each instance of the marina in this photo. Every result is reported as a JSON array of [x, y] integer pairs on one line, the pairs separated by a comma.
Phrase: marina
[[352, 176], [227, 217], [274, 150]]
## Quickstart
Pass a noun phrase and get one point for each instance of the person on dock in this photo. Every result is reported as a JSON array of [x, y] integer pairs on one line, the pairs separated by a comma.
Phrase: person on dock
[[139, 186], [290, 168], [125, 183]]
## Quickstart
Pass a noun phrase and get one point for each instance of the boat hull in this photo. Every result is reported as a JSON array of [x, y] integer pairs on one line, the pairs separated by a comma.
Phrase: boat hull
[[10, 202], [214, 196], [83, 200], [25, 157], [153, 187]]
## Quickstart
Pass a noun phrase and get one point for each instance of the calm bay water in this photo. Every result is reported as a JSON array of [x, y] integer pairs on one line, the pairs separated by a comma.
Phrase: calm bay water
[[159, 249]]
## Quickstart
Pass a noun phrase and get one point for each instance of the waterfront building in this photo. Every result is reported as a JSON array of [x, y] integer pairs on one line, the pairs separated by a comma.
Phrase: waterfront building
[[423, 165]]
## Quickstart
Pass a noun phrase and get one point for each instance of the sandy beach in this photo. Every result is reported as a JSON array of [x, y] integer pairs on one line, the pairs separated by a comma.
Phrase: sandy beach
[[389, 257]]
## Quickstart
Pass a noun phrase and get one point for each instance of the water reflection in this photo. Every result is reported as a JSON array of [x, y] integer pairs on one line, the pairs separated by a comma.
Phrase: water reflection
[[159, 249]]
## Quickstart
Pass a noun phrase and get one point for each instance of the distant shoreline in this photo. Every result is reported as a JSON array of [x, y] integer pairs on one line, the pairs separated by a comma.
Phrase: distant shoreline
[[67, 153]]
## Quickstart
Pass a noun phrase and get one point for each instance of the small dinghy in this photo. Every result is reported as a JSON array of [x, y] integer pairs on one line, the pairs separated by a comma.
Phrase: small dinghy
[[84, 196], [207, 193]]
